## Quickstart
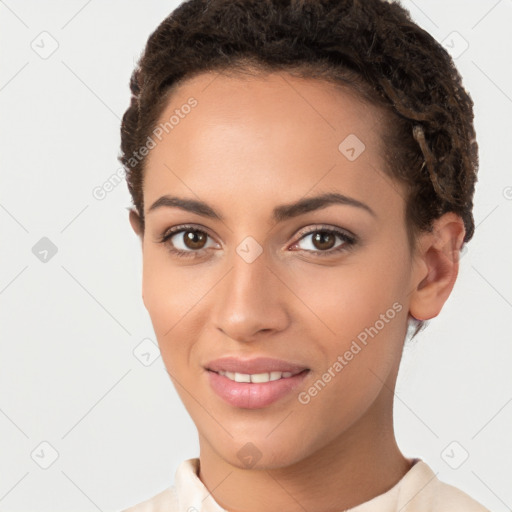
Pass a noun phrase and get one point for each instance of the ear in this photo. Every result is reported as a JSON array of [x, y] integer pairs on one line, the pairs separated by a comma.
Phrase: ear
[[437, 266], [137, 227], [135, 222]]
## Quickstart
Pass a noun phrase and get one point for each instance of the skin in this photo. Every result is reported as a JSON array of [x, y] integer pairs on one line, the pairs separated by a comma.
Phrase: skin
[[251, 144]]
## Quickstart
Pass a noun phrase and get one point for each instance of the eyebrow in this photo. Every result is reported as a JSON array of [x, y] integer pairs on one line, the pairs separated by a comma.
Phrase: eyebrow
[[279, 214]]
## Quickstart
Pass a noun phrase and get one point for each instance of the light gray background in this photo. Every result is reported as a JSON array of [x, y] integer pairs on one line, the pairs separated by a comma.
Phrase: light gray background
[[72, 370]]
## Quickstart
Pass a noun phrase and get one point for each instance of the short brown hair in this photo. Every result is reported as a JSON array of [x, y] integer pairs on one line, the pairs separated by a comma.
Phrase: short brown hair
[[371, 46]]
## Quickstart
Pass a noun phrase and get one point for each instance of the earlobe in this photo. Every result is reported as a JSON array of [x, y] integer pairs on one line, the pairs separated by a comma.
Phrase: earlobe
[[437, 266]]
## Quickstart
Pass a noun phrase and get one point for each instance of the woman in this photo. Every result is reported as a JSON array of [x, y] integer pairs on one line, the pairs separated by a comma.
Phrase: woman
[[302, 174]]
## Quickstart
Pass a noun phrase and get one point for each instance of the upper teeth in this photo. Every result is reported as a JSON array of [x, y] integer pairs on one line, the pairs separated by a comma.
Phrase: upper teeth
[[255, 377]]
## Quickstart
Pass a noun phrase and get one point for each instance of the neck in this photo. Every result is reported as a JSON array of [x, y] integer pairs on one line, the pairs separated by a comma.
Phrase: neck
[[358, 465]]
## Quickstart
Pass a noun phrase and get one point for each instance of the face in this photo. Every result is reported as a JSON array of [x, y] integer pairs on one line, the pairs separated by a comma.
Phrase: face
[[325, 287]]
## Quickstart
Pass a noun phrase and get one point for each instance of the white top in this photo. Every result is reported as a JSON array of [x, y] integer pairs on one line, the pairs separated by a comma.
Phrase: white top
[[419, 490]]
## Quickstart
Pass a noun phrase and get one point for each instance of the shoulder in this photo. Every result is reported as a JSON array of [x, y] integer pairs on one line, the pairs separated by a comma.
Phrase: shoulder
[[187, 488], [423, 491], [166, 500], [450, 499]]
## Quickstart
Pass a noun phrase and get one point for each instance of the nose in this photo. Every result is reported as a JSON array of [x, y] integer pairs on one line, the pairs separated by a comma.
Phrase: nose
[[250, 300]]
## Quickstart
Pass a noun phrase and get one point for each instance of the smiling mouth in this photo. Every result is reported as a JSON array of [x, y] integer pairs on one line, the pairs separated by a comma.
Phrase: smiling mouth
[[257, 378], [255, 390]]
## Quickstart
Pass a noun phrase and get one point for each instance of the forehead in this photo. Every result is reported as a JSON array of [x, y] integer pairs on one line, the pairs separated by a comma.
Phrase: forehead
[[275, 133]]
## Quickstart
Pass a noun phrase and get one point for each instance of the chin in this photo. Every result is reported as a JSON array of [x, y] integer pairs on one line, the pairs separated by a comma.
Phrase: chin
[[260, 454]]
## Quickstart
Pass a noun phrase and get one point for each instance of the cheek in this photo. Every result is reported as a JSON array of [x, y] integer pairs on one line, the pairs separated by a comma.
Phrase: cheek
[[168, 294], [346, 299], [176, 298], [359, 314]]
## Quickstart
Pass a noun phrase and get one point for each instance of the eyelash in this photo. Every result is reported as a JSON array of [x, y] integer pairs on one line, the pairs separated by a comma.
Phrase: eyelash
[[348, 240]]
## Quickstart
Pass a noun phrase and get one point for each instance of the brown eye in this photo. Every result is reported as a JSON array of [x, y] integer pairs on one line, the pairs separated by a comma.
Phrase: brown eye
[[324, 240], [186, 241], [194, 239]]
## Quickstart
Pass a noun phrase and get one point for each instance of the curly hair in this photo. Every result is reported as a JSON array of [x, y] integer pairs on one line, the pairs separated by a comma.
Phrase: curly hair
[[369, 46]]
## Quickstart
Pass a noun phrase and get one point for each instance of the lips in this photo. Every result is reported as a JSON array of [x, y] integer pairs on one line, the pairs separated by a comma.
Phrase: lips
[[254, 365], [248, 386]]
